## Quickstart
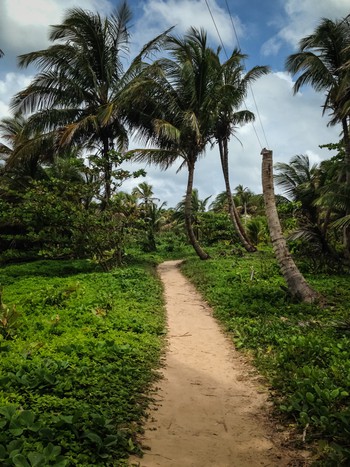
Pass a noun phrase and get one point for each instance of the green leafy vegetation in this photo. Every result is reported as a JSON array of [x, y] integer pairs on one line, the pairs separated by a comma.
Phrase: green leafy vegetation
[[76, 362], [80, 337], [302, 349]]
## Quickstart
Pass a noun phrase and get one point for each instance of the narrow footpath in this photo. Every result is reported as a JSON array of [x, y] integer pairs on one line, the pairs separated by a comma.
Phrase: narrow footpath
[[210, 410]]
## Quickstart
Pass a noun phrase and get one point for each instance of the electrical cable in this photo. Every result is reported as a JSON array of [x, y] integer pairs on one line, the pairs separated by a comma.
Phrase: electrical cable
[[217, 29], [250, 86]]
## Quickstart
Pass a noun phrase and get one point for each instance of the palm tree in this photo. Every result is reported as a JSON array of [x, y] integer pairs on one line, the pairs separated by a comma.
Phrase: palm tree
[[153, 216], [220, 203], [177, 99], [78, 90], [323, 62], [244, 195], [197, 206], [144, 192], [230, 93], [297, 285], [333, 199], [305, 183], [24, 149], [299, 180]]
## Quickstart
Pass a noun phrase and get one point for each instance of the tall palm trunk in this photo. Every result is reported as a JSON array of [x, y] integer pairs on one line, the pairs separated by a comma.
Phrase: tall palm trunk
[[188, 213], [346, 232], [297, 285], [107, 169], [236, 221]]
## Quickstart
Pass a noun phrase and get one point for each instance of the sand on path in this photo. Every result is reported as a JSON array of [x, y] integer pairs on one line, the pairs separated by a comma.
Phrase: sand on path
[[209, 411]]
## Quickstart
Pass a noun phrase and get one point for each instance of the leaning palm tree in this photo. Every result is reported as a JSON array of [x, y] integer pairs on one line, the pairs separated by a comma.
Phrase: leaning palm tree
[[230, 92], [323, 62], [77, 91], [296, 283], [177, 98]]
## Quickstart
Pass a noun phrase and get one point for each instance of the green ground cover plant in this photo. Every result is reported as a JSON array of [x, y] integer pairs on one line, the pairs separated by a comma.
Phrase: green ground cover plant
[[78, 352], [303, 350]]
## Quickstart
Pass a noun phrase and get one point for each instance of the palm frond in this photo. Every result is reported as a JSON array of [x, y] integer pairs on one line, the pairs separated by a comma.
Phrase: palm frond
[[342, 223], [159, 157]]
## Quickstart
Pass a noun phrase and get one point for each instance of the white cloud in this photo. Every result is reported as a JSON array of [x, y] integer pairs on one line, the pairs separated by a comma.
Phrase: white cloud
[[271, 47], [301, 19], [159, 15], [24, 24], [11, 84]]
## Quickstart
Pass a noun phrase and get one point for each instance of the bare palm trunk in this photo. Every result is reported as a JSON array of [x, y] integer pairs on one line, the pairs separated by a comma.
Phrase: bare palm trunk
[[236, 221], [188, 213], [107, 175], [346, 231], [297, 285]]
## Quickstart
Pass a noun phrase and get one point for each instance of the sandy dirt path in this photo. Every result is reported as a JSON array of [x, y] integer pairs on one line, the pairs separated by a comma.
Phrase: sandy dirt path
[[209, 410]]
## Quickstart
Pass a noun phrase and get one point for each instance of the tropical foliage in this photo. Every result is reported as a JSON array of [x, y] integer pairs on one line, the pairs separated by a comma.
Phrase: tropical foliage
[[323, 62], [64, 157], [78, 348]]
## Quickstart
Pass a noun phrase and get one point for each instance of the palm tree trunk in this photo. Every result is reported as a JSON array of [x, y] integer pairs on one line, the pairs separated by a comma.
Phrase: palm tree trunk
[[107, 175], [188, 213], [346, 231], [297, 285], [236, 221]]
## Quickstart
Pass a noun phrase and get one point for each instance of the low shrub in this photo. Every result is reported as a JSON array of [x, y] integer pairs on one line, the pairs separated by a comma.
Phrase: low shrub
[[74, 375]]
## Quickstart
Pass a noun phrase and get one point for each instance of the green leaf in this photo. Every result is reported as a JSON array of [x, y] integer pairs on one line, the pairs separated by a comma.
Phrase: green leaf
[[35, 427], [8, 411], [61, 462], [335, 393], [26, 418], [131, 444], [16, 431], [16, 444], [3, 453], [304, 418], [3, 423], [20, 461], [110, 440], [67, 419], [36, 459], [310, 397], [51, 451], [94, 438]]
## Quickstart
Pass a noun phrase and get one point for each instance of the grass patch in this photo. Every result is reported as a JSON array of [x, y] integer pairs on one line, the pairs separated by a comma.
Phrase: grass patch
[[77, 356], [303, 350]]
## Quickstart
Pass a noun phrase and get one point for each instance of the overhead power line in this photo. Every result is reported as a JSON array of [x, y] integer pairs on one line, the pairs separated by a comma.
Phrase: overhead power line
[[217, 29], [250, 86]]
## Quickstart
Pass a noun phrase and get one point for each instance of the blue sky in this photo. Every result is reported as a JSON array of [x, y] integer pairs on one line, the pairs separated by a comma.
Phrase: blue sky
[[268, 31]]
